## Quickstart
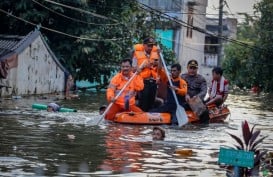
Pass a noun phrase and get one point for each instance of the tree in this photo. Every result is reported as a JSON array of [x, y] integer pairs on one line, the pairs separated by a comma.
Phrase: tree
[[236, 65], [105, 31], [237, 57], [262, 60], [251, 64]]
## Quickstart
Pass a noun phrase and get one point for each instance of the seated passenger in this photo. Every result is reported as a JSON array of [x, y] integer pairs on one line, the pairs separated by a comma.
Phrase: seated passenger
[[197, 90], [180, 88], [197, 85], [126, 101], [157, 71], [218, 91]]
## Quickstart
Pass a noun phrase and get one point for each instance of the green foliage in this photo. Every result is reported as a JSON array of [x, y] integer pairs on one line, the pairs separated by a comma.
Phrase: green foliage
[[126, 24], [237, 61], [252, 64], [236, 65], [263, 58]]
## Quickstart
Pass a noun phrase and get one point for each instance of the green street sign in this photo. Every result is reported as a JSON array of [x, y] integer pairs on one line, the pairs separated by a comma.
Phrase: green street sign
[[238, 158]]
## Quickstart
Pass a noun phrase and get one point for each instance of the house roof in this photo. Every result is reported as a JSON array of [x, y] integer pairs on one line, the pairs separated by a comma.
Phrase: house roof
[[8, 43], [12, 44]]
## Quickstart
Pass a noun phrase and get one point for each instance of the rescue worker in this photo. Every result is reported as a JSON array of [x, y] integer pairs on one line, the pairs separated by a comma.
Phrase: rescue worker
[[126, 101], [158, 71], [180, 88], [144, 53]]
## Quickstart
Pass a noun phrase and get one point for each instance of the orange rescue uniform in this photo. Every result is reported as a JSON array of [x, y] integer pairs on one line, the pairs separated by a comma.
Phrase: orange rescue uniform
[[116, 84], [181, 84], [141, 56]]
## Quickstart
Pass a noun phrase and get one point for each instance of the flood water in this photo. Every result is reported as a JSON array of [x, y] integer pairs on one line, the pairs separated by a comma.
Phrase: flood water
[[38, 143]]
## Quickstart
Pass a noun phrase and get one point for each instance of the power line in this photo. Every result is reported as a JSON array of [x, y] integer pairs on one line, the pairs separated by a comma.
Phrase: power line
[[197, 19], [225, 2], [201, 51], [81, 10], [70, 18], [56, 31], [188, 13], [184, 24]]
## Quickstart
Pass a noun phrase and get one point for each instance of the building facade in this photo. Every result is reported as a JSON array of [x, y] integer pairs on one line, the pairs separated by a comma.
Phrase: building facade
[[211, 42], [192, 42], [29, 66], [186, 42]]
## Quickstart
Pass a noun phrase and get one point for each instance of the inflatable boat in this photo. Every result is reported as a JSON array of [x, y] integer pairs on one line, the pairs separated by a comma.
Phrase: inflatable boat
[[217, 115]]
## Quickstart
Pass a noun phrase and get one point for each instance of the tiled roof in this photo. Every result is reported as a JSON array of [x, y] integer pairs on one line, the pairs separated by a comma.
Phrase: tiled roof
[[11, 44], [8, 43]]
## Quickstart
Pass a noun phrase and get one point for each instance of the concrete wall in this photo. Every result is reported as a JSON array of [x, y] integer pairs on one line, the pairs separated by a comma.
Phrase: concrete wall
[[193, 48], [36, 73]]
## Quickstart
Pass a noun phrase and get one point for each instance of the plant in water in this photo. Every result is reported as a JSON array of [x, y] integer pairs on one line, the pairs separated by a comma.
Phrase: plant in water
[[267, 165], [250, 142]]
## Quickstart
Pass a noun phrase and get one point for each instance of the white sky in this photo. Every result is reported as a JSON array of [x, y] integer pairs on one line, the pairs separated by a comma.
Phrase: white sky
[[236, 6]]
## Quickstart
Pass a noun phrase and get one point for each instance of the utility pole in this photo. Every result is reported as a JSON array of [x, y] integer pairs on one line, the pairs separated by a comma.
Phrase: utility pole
[[220, 32]]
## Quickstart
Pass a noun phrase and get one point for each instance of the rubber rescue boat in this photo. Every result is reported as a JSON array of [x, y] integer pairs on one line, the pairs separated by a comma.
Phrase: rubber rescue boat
[[217, 115]]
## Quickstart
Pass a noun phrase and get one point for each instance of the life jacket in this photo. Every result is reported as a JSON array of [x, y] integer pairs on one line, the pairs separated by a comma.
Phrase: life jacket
[[141, 57], [117, 84], [154, 55]]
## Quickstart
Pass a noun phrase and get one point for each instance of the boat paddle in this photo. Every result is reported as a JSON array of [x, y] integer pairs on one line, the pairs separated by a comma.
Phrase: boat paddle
[[116, 97], [181, 115]]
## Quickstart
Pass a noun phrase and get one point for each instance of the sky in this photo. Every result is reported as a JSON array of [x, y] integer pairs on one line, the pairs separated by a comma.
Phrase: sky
[[235, 7]]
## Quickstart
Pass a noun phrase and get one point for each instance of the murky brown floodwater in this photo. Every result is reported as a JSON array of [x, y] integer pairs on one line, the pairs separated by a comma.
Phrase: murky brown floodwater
[[38, 143]]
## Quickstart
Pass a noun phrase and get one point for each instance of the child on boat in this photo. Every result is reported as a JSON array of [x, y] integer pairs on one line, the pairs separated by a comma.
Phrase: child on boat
[[218, 91]]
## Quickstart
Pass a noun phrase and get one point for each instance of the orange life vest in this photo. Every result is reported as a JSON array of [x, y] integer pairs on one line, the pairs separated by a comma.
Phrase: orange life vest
[[117, 83], [141, 57]]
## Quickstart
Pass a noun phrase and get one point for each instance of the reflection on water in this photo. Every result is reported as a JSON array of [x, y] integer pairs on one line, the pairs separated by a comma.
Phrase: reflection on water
[[38, 143]]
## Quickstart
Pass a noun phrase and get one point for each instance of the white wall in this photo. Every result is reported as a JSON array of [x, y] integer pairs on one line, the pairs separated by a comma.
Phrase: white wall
[[36, 73], [193, 48]]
